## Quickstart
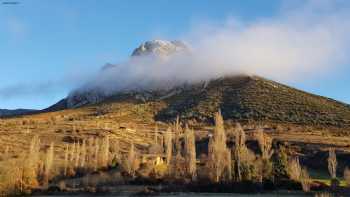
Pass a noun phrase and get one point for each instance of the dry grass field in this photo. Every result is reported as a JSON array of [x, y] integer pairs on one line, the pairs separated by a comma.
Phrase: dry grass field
[[128, 123], [132, 124]]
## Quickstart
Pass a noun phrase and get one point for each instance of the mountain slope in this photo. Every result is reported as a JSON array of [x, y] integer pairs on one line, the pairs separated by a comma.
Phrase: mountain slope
[[240, 98], [256, 98], [15, 112]]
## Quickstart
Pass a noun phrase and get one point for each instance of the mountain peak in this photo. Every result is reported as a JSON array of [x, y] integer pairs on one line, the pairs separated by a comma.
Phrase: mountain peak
[[159, 48]]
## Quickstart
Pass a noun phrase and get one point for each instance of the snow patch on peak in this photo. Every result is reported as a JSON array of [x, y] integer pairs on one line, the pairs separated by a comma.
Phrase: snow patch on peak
[[160, 48]]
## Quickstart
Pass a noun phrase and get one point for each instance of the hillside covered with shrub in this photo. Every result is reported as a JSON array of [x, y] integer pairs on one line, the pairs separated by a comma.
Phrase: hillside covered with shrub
[[255, 98]]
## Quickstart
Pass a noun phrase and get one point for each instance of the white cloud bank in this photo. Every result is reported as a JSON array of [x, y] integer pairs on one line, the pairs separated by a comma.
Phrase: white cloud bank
[[303, 42]]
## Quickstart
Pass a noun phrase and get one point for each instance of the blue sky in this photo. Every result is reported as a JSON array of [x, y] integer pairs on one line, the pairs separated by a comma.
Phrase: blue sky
[[45, 44]]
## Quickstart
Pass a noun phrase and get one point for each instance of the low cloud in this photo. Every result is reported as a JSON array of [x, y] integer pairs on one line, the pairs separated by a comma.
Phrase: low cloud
[[301, 42], [36, 89]]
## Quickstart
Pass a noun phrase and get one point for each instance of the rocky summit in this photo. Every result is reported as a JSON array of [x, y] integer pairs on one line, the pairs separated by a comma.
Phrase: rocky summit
[[159, 48]]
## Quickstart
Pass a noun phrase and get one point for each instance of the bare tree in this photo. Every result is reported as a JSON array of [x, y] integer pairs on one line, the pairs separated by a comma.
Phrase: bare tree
[[219, 156], [77, 155], [90, 153], [132, 161], [71, 152], [96, 155], [31, 164], [305, 180], [83, 154], [332, 163], [265, 144], [168, 140], [66, 154], [298, 173], [294, 169], [48, 164], [242, 154], [71, 157], [156, 134], [116, 151], [190, 151], [177, 135], [105, 152]]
